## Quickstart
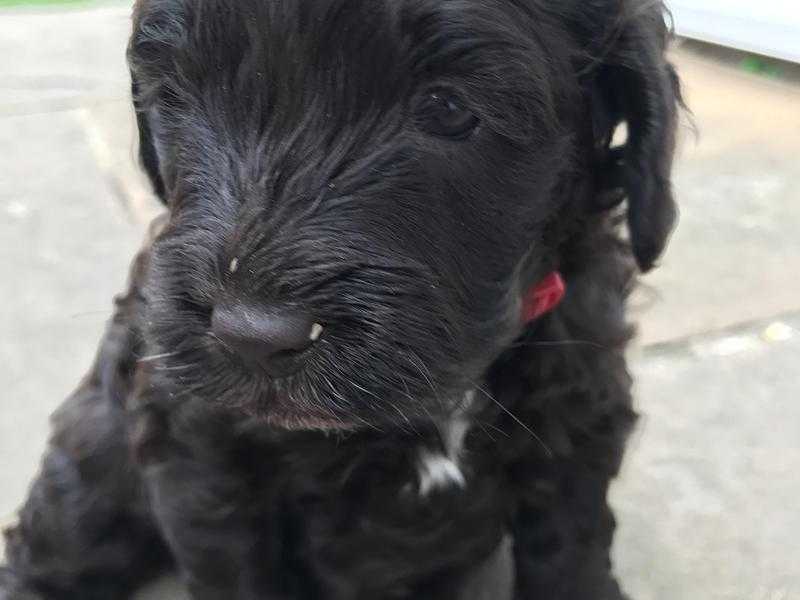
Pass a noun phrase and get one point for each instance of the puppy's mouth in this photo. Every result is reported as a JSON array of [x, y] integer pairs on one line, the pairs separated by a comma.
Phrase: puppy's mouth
[[333, 385], [296, 422], [284, 415]]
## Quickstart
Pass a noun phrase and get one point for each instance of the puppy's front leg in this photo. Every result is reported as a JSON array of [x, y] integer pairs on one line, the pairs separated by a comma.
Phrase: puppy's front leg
[[84, 532], [214, 518]]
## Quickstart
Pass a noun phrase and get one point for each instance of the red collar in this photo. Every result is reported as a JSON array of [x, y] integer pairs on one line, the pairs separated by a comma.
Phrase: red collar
[[543, 297]]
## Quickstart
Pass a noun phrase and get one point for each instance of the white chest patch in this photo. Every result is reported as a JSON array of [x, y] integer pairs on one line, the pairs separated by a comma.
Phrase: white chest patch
[[437, 471], [441, 469]]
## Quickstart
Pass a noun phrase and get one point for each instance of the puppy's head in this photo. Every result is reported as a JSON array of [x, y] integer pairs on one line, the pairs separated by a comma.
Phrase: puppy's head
[[361, 191]]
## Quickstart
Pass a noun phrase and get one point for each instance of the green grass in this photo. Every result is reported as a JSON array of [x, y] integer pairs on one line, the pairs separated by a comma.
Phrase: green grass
[[761, 65]]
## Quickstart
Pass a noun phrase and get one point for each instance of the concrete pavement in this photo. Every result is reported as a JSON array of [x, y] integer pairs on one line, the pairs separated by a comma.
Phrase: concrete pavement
[[707, 500]]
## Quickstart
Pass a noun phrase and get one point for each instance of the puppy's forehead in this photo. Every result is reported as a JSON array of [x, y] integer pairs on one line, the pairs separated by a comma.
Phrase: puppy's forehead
[[329, 68], [355, 42]]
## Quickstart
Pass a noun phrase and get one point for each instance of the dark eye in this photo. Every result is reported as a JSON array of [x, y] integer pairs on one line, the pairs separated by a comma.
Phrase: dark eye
[[443, 115]]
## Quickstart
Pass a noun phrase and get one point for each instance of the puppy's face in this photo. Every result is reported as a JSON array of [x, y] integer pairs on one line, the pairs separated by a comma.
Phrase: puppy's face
[[360, 192]]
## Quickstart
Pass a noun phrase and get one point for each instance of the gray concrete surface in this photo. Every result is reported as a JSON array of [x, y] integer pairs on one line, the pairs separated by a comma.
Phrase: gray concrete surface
[[708, 499], [707, 502]]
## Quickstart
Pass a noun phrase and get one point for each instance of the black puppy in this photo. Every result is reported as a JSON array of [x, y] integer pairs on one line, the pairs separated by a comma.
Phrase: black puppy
[[340, 371]]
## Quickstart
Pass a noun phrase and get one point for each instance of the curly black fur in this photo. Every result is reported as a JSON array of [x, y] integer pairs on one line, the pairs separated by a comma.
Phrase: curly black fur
[[289, 135]]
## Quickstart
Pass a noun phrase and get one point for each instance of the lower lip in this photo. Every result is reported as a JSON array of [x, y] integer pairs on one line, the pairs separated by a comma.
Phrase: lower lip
[[283, 418], [308, 423]]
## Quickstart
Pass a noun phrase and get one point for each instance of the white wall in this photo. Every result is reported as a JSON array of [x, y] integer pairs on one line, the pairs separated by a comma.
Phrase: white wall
[[770, 27]]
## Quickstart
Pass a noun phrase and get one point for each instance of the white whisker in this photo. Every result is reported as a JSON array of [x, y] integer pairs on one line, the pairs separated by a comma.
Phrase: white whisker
[[546, 448], [153, 357]]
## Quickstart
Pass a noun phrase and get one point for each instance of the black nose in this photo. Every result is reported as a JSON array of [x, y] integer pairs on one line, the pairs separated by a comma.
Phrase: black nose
[[267, 338]]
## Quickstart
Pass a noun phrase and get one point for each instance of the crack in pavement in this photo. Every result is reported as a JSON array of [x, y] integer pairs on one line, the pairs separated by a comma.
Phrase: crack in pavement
[[740, 337]]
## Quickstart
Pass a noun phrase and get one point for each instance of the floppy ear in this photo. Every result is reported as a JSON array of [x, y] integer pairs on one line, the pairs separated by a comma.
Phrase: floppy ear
[[156, 24], [148, 155], [631, 82]]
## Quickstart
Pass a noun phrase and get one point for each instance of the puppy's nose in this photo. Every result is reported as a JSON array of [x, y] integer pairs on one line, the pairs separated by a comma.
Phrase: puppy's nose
[[267, 338]]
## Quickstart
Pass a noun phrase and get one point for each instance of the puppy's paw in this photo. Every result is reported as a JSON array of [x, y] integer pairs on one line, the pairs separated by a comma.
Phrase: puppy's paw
[[11, 588]]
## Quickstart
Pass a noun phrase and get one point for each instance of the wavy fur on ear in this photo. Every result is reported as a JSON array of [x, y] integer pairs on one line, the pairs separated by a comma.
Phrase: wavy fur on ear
[[158, 26], [148, 155], [629, 80]]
